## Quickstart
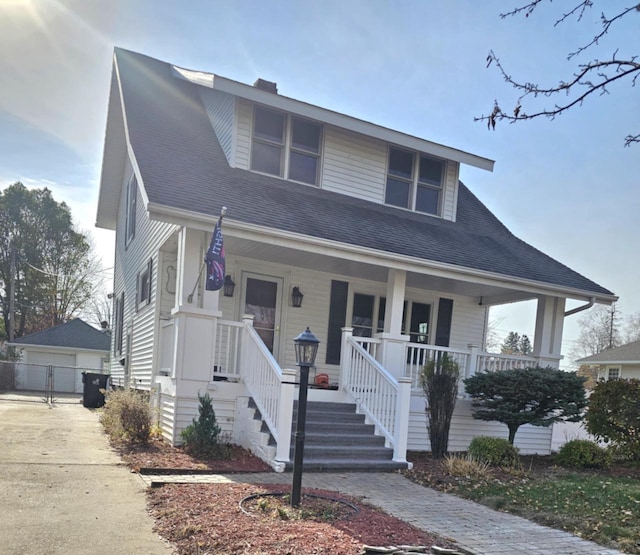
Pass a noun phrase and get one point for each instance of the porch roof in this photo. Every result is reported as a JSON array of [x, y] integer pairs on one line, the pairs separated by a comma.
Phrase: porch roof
[[174, 148]]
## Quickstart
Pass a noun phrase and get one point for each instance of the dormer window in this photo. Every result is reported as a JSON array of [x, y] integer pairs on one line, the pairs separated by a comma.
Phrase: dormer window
[[285, 146], [414, 181]]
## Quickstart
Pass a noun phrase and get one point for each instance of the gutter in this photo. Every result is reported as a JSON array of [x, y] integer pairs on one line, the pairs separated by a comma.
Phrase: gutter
[[591, 302]]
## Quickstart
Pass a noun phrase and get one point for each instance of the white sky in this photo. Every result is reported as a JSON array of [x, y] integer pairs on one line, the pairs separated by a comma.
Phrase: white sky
[[568, 186]]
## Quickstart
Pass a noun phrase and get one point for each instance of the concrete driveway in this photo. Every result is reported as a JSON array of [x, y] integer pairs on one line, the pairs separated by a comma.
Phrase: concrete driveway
[[62, 489]]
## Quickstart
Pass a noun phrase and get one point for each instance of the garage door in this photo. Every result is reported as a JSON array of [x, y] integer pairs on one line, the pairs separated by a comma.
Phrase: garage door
[[66, 378]]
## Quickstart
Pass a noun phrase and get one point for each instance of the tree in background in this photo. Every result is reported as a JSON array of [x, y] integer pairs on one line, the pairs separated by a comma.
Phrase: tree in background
[[55, 274], [514, 344], [590, 78], [536, 396], [614, 415]]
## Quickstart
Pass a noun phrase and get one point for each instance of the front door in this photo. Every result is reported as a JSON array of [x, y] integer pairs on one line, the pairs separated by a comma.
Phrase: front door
[[262, 299]]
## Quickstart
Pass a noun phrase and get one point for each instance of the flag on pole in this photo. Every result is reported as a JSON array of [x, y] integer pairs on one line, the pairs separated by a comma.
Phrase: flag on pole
[[215, 260]]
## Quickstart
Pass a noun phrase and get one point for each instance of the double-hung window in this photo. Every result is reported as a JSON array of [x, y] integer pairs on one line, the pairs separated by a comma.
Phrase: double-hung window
[[285, 146], [143, 286], [414, 181]]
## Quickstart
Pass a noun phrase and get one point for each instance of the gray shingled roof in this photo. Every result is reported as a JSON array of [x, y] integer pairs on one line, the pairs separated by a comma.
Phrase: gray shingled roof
[[176, 150], [75, 334], [625, 353]]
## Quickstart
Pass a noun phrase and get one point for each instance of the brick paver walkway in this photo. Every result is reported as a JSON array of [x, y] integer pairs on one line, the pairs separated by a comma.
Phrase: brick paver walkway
[[475, 528]]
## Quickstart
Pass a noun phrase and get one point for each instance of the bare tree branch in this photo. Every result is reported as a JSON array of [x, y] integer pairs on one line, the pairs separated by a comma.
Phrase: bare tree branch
[[592, 77]]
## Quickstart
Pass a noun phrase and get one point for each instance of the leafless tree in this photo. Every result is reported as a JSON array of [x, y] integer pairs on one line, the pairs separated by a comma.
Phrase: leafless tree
[[590, 78]]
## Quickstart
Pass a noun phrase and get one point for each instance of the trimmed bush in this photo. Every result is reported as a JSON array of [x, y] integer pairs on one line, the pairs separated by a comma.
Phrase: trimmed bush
[[127, 416], [495, 451], [202, 437], [582, 453]]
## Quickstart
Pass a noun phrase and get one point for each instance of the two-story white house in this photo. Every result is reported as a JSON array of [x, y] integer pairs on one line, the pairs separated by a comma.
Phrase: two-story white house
[[363, 233]]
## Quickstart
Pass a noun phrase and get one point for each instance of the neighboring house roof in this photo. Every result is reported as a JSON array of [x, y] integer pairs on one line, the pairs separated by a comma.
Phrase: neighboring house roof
[[628, 354], [175, 148], [75, 334]]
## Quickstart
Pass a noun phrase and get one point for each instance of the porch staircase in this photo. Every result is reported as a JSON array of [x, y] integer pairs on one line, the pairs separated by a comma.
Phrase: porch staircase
[[338, 440]]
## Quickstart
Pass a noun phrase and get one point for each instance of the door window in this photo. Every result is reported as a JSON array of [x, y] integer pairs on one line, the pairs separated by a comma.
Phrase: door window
[[261, 300]]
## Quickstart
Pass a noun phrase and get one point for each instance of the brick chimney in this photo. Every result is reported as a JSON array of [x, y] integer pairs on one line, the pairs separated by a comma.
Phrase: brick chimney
[[265, 85]]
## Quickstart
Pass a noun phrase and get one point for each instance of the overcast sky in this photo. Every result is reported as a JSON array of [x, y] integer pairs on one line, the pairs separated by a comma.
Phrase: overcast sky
[[568, 187]]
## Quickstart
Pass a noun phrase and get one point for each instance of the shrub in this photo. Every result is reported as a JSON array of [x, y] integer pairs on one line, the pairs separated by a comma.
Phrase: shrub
[[495, 451], [536, 396], [613, 415], [202, 437], [581, 453], [466, 467], [126, 416], [439, 381]]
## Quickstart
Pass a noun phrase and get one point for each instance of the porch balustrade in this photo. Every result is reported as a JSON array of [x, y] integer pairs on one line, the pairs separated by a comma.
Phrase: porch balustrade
[[226, 352], [378, 395], [270, 387], [493, 362]]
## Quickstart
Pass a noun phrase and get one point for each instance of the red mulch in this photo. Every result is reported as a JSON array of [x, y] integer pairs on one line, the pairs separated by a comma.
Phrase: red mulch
[[207, 519]]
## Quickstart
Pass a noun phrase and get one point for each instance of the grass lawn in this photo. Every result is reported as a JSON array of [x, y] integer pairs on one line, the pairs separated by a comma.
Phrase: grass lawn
[[600, 506]]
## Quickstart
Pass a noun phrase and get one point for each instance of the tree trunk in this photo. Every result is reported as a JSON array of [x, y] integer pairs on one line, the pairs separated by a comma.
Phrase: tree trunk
[[513, 428]]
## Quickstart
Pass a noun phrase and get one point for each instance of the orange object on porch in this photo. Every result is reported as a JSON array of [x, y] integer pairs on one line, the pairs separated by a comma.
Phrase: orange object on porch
[[322, 380]]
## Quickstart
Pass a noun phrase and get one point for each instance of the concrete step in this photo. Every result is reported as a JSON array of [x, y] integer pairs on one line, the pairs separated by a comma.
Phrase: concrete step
[[348, 465], [356, 452]]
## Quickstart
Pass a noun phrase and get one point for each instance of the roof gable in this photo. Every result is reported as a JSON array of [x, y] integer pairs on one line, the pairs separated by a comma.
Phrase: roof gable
[[75, 334]]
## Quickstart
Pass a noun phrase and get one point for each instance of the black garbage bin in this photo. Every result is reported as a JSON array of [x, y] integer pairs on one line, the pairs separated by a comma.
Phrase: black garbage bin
[[92, 397]]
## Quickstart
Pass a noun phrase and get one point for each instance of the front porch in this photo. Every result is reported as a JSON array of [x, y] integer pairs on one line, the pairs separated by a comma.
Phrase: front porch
[[255, 397]]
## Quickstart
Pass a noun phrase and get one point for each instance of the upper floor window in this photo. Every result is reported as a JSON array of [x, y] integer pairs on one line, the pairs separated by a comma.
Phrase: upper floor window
[[414, 181], [285, 146], [130, 219]]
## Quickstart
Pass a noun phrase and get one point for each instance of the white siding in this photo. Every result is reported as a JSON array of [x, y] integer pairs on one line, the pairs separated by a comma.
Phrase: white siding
[[467, 324], [243, 134], [354, 165], [529, 439], [220, 108], [129, 261]]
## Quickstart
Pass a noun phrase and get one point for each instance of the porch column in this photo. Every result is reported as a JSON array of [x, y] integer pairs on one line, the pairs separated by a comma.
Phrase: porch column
[[547, 344], [195, 326], [392, 347]]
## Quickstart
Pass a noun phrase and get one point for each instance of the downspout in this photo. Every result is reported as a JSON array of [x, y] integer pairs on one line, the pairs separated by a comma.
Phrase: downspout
[[591, 302]]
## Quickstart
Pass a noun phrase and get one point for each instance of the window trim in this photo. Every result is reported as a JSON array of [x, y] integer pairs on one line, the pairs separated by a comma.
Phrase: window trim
[[146, 273], [287, 147], [414, 182], [119, 321]]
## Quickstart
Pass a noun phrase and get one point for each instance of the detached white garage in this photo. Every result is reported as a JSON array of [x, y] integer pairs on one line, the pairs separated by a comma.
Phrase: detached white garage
[[69, 348]]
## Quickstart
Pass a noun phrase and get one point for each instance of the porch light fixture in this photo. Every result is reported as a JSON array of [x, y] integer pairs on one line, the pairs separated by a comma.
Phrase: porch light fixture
[[306, 347], [296, 297], [229, 286]]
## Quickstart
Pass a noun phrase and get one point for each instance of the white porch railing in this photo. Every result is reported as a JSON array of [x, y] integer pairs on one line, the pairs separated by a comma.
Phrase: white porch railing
[[493, 362], [382, 398], [226, 352], [469, 361], [418, 354], [270, 387], [369, 344]]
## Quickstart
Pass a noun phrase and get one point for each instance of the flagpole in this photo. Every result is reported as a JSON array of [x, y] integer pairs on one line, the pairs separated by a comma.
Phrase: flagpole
[[223, 212]]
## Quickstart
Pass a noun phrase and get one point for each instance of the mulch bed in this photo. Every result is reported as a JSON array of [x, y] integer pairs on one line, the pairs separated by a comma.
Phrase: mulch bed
[[208, 518]]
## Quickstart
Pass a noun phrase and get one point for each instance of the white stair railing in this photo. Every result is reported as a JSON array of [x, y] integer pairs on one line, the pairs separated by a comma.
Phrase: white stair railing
[[226, 352], [270, 388], [380, 396]]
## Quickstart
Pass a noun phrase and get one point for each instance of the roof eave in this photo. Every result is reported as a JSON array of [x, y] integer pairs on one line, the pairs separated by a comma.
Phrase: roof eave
[[337, 119], [206, 222]]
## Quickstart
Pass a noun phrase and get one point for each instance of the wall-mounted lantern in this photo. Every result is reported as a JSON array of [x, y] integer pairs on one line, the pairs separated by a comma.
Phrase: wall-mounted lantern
[[296, 297], [229, 286]]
